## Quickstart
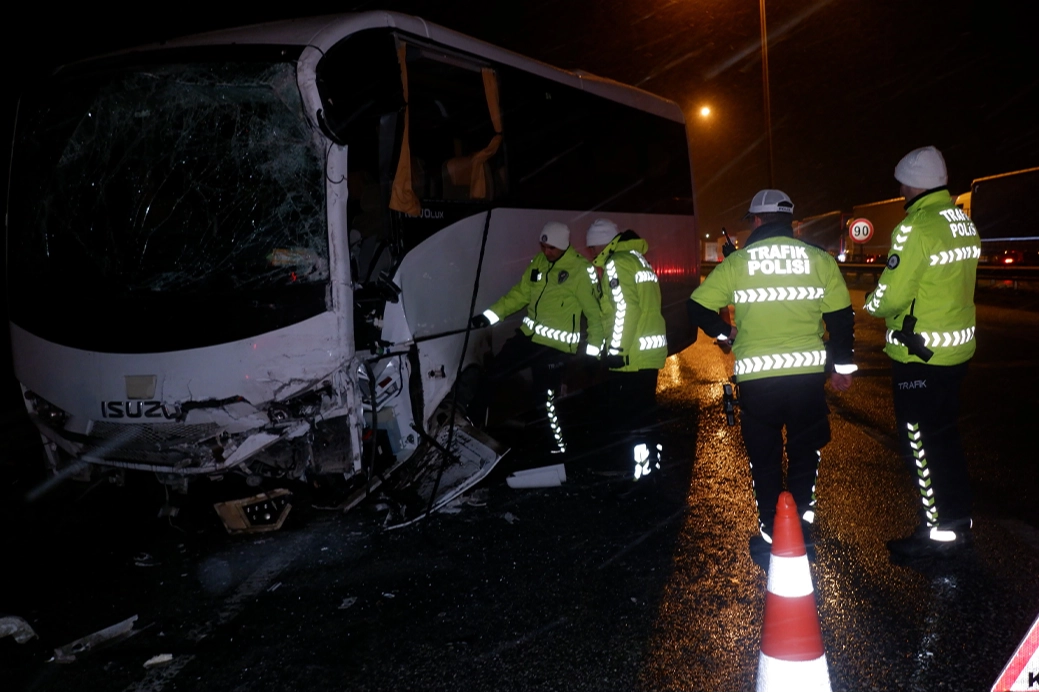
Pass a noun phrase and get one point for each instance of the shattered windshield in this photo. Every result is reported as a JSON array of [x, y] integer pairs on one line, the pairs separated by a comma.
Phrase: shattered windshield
[[196, 182]]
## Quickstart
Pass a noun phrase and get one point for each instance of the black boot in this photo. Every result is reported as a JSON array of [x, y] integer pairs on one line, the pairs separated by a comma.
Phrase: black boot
[[947, 540]]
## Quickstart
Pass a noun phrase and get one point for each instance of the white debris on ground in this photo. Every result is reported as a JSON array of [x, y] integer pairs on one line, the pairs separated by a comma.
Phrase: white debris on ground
[[159, 659]]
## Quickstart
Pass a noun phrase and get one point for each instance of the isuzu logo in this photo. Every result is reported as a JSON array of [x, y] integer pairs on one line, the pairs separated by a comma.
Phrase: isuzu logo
[[136, 409]]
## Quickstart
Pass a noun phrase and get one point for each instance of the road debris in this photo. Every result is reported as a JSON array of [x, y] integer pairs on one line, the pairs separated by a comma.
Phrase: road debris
[[264, 512], [158, 659], [348, 602], [67, 653], [17, 628], [451, 463], [539, 477], [145, 560]]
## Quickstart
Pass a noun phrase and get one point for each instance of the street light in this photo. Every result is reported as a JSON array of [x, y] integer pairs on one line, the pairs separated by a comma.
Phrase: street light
[[705, 111], [768, 109]]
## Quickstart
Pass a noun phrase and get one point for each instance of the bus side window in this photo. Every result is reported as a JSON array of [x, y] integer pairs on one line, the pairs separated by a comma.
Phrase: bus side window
[[455, 152]]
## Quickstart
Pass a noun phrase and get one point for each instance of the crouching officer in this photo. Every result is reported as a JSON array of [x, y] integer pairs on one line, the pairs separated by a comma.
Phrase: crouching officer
[[784, 291], [636, 337], [557, 289]]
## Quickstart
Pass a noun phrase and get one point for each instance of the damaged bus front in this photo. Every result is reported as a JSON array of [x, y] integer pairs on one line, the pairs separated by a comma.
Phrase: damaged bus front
[[176, 304], [257, 251]]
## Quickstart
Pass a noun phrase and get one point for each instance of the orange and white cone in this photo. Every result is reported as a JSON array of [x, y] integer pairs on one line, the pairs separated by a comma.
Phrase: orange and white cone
[[792, 656]]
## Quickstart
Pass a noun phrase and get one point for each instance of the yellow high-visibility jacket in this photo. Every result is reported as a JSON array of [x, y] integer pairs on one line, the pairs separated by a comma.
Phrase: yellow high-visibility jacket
[[931, 269], [634, 326], [555, 295]]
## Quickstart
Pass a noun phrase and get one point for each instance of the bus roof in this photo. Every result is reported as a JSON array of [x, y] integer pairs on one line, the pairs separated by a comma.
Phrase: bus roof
[[1004, 175], [325, 31]]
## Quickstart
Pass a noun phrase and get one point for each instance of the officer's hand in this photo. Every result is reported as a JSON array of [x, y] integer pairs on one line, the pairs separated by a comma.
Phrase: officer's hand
[[728, 249], [840, 381], [613, 361], [726, 344], [479, 321]]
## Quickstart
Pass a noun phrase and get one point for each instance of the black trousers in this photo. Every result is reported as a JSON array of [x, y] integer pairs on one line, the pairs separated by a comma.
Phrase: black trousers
[[796, 403], [632, 404], [518, 353], [927, 404]]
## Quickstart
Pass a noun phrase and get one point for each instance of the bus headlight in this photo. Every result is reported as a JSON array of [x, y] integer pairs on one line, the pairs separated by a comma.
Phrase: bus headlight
[[53, 416]]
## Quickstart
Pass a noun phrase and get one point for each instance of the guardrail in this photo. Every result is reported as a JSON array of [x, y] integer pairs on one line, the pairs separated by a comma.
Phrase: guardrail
[[1016, 274]]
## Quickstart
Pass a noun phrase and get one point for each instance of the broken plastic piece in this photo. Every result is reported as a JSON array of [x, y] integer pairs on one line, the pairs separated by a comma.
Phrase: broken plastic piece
[[261, 513], [145, 560], [67, 653], [159, 659], [16, 627], [540, 477]]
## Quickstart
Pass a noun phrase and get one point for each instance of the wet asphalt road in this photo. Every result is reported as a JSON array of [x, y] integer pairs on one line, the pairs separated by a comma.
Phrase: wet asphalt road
[[596, 585]]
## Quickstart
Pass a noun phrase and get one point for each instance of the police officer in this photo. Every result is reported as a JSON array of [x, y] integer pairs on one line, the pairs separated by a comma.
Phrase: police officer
[[926, 296], [635, 345], [784, 291], [557, 289]]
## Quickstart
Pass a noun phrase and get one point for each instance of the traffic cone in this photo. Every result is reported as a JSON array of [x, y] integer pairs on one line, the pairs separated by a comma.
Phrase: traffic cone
[[792, 656]]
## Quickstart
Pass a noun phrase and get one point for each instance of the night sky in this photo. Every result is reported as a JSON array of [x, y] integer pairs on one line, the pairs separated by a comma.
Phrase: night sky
[[854, 84]]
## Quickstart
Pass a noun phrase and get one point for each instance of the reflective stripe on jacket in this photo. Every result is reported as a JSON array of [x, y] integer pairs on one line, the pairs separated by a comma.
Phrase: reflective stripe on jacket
[[555, 295], [780, 288], [632, 322], [933, 261]]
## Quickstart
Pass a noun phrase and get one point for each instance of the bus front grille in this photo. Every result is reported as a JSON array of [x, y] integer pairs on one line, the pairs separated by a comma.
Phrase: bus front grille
[[163, 444]]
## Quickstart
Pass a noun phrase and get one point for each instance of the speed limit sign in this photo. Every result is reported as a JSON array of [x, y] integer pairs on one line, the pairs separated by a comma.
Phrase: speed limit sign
[[860, 230]]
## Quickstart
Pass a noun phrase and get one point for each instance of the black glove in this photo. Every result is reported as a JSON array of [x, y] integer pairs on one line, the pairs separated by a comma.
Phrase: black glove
[[479, 321], [613, 361], [728, 249]]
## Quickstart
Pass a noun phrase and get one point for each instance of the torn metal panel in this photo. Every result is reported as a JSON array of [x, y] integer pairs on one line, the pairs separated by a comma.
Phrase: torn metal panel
[[458, 458]]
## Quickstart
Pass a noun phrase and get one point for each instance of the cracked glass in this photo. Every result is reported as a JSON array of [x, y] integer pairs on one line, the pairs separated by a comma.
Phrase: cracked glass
[[179, 186]]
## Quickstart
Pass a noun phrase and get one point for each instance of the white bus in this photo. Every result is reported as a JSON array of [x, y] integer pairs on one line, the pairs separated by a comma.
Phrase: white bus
[[226, 251]]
